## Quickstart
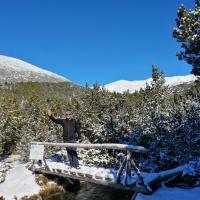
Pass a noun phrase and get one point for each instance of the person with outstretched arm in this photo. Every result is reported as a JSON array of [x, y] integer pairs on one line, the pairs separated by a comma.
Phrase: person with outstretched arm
[[71, 132]]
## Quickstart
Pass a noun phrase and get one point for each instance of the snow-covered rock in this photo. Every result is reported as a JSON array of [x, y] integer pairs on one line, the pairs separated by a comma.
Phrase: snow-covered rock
[[124, 85], [16, 70]]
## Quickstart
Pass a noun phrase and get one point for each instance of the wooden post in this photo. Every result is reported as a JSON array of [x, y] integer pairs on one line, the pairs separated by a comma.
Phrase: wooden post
[[139, 176], [118, 179], [129, 164], [45, 162], [128, 167], [32, 165]]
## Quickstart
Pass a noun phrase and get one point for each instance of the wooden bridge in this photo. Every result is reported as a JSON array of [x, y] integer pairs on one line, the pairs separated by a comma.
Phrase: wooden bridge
[[127, 177]]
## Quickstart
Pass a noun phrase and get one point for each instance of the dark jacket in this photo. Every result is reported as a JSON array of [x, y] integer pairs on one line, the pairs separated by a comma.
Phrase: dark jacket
[[71, 128]]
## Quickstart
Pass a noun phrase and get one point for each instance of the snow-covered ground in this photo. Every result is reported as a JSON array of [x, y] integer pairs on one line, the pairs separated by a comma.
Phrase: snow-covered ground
[[172, 194], [19, 182]]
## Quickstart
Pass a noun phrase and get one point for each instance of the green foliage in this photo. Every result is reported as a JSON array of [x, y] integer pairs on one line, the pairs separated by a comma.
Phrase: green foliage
[[163, 119]]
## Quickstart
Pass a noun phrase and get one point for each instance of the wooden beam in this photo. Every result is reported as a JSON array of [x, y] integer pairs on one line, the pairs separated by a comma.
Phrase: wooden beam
[[124, 147]]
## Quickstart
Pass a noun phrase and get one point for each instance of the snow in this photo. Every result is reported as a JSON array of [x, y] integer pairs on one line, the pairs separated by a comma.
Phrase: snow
[[10, 64], [172, 171], [165, 193], [124, 85], [172, 194], [19, 182], [137, 148], [93, 171]]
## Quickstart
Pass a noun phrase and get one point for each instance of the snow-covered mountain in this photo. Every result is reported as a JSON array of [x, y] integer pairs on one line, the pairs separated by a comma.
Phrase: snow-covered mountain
[[16, 70], [123, 85]]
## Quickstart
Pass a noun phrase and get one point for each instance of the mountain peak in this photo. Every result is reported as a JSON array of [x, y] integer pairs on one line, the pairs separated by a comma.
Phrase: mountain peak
[[16, 70]]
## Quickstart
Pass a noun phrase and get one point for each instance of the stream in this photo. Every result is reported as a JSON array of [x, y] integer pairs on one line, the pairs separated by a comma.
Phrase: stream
[[89, 191]]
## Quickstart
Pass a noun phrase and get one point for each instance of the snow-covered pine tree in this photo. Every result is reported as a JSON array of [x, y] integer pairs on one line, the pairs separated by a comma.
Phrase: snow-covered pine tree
[[187, 32], [155, 118]]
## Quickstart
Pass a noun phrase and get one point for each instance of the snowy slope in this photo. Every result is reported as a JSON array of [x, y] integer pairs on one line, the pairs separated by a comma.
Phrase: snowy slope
[[15, 70], [123, 85], [19, 182]]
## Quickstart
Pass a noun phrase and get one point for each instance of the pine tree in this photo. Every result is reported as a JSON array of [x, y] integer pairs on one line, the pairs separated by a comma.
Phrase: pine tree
[[187, 33], [158, 78]]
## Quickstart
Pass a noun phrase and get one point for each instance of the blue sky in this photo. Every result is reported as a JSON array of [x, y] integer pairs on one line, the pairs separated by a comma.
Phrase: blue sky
[[93, 40]]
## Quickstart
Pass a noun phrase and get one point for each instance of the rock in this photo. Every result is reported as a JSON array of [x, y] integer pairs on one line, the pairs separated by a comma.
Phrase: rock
[[2, 178]]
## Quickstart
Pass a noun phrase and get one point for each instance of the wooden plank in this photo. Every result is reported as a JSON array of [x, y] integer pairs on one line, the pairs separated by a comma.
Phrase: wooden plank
[[59, 170], [89, 175], [109, 178], [98, 177], [54, 170], [80, 174], [73, 173], [66, 172], [97, 146]]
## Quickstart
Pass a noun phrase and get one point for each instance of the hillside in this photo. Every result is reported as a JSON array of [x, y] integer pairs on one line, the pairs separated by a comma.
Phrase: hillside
[[16, 70]]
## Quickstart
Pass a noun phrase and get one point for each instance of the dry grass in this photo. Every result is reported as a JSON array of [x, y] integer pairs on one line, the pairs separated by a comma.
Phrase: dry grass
[[24, 198], [41, 180], [51, 189]]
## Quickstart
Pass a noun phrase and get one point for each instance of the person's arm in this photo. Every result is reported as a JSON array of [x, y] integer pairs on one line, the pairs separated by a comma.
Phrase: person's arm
[[55, 120]]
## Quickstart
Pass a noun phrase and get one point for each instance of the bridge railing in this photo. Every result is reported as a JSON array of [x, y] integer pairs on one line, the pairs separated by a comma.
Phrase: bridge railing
[[112, 146]]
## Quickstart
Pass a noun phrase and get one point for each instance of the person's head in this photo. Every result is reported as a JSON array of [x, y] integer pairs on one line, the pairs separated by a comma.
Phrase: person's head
[[69, 115]]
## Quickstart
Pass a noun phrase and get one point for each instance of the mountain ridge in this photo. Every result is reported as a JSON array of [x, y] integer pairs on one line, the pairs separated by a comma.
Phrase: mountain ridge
[[124, 85], [17, 70]]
